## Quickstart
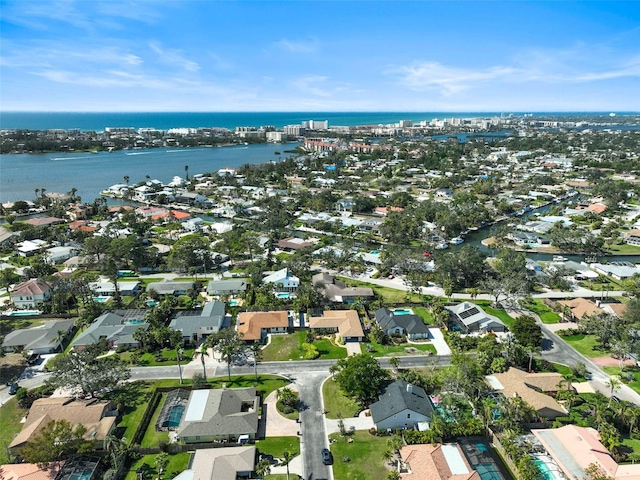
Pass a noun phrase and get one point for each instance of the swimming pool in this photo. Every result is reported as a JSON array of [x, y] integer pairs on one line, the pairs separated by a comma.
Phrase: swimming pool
[[100, 299], [488, 472], [234, 303], [547, 473], [174, 417], [283, 295], [24, 313], [403, 311]]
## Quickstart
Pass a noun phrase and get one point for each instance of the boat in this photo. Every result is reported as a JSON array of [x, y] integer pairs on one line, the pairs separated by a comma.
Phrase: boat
[[559, 258], [441, 246], [456, 240]]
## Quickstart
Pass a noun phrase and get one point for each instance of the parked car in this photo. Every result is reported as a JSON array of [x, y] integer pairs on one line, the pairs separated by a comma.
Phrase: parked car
[[13, 389], [327, 459], [33, 358]]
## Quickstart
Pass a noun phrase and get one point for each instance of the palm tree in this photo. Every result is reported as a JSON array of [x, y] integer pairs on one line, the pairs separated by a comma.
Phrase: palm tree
[[126, 179], [263, 468], [203, 352], [614, 385], [256, 350], [394, 362], [287, 456], [387, 456], [186, 172]]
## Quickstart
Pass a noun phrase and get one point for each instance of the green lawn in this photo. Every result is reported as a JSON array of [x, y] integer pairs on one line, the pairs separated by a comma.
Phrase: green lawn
[[425, 314], [388, 295], [624, 249], [546, 315], [635, 371], [136, 401], [585, 344], [501, 314], [10, 426], [276, 445], [336, 403], [365, 455], [151, 437], [287, 347], [169, 357], [399, 350], [177, 464]]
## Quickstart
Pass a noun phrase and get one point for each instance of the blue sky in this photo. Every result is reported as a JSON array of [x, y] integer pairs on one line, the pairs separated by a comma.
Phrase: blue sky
[[94, 55]]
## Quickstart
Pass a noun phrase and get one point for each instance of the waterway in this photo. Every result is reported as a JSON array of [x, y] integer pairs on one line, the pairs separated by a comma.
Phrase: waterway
[[21, 174]]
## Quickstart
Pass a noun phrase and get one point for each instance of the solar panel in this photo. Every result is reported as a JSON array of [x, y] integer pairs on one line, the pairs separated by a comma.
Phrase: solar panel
[[468, 313]]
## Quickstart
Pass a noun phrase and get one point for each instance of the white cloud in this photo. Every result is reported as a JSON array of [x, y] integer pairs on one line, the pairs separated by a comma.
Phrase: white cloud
[[311, 84], [298, 46], [174, 57]]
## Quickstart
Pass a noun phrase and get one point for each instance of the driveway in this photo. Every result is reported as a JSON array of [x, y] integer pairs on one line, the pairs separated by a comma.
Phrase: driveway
[[275, 424], [361, 422], [438, 341]]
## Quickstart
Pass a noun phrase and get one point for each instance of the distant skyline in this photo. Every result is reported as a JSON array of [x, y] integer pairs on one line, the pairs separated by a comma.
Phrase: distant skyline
[[288, 56]]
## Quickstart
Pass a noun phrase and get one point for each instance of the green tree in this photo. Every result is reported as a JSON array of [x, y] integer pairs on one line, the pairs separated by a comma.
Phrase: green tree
[[287, 456], [527, 332], [57, 440], [228, 343], [81, 372], [360, 377], [162, 460]]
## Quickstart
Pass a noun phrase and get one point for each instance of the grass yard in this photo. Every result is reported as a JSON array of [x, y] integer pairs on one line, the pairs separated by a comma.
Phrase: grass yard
[[501, 314], [635, 371], [266, 383], [287, 347], [388, 295], [151, 437], [11, 366], [135, 397], [177, 463], [624, 249], [276, 445], [546, 315], [585, 344], [169, 357], [10, 426], [400, 350], [425, 314], [365, 455], [336, 403]]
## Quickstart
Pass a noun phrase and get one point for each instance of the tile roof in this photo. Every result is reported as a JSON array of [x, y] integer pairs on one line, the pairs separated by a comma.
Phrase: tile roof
[[428, 462], [346, 321], [581, 307], [35, 286], [250, 324], [29, 471]]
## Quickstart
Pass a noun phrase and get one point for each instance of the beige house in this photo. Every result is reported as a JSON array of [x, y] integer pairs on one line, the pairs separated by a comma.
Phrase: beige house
[[345, 322], [226, 463], [435, 462], [98, 417], [581, 307], [534, 388]]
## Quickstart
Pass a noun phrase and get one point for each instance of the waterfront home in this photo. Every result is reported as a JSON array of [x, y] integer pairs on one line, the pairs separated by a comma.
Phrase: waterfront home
[[402, 405], [579, 308], [219, 415], [632, 237], [45, 338], [346, 323], [617, 270], [30, 247], [43, 221], [255, 326], [31, 293]]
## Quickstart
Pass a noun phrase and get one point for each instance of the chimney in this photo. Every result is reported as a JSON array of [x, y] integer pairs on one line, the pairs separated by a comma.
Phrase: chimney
[[409, 388]]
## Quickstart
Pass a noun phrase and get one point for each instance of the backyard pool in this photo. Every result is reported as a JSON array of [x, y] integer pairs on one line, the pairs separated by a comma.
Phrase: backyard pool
[[548, 469], [402, 311], [234, 303], [100, 299], [283, 295], [24, 313]]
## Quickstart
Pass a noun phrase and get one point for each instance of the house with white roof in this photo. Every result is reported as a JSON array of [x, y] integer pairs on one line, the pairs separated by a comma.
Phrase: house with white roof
[[283, 280], [471, 318]]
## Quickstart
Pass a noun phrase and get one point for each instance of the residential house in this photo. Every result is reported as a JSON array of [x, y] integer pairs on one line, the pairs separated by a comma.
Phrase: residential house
[[225, 463], [196, 325], [402, 322], [30, 471], [574, 448], [579, 308], [96, 416], [293, 244], [536, 389], [632, 237], [8, 237], [435, 462], [107, 288], [60, 254], [30, 247], [43, 221], [227, 287], [255, 326], [171, 288], [219, 415], [471, 318], [117, 330], [402, 405], [283, 280], [47, 338], [345, 322], [31, 293], [617, 270], [337, 291]]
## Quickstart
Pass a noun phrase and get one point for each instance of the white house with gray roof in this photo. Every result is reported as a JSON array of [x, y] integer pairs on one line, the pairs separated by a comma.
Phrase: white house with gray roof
[[171, 288], [227, 287], [196, 325], [116, 329], [405, 323], [219, 415], [225, 463], [45, 338], [402, 405]]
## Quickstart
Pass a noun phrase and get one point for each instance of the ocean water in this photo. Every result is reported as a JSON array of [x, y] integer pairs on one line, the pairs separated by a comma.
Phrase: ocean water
[[21, 174], [166, 120]]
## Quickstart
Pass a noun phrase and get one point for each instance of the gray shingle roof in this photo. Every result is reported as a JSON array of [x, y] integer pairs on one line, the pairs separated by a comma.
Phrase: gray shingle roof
[[37, 338], [412, 324], [396, 398]]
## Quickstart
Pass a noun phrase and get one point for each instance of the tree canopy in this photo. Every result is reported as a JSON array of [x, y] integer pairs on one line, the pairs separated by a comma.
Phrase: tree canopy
[[55, 441], [360, 377]]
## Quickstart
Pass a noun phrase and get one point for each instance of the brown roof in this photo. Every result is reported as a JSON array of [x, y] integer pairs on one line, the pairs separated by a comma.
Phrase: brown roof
[[35, 286], [525, 385], [29, 471], [250, 324], [346, 321], [43, 221], [581, 307], [90, 413], [428, 462]]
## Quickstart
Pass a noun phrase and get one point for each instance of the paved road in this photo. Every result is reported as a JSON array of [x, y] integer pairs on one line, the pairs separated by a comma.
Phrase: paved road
[[314, 434]]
